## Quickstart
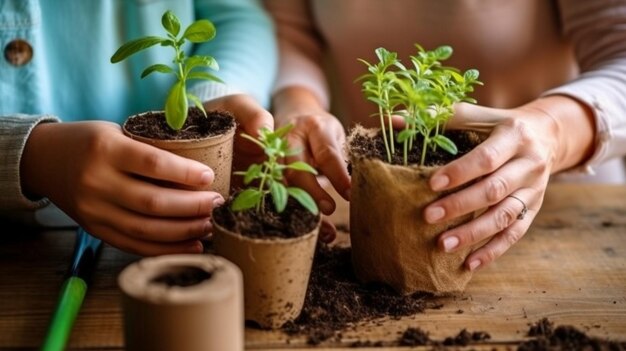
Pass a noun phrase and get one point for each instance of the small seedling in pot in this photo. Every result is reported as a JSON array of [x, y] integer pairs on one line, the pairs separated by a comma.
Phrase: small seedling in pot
[[184, 68], [270, 237], [423, 95], [269, 175], [390, 192]]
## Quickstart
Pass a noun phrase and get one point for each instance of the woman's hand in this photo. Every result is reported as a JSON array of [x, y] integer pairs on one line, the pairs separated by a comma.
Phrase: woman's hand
[[320, 137], [511, 168]]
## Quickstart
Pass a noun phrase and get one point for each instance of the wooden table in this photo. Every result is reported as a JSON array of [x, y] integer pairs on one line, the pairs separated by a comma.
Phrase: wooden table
[[570, 267]]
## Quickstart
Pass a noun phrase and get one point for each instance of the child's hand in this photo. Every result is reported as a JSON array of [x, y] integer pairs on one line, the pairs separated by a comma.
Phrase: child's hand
[[113, 187]]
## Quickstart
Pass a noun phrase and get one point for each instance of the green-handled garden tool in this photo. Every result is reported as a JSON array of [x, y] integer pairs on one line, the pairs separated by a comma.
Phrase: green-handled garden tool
[[73, 291]]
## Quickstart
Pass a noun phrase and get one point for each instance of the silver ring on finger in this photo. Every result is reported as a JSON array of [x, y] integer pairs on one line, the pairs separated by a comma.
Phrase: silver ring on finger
[[522, 213]]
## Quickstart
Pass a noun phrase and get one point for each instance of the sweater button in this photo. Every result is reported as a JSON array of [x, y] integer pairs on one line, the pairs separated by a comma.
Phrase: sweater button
[[18, 52]]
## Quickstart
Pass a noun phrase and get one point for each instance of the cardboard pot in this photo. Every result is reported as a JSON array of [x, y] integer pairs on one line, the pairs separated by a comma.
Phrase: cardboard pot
[[215, 152], [391, 242], [275, 272], [159, 315]]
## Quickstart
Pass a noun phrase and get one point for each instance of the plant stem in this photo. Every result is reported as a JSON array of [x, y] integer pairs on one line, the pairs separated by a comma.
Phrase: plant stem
[[391, 141], [384, 133], [405, 145], [425, 144], [267, 171]]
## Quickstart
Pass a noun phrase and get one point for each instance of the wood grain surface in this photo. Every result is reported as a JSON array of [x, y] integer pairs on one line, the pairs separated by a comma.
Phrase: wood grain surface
[[570, 267]]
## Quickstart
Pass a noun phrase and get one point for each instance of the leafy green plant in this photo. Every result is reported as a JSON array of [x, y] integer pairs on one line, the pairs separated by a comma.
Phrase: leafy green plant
[[269, 175], [184, 68], [424, 95]]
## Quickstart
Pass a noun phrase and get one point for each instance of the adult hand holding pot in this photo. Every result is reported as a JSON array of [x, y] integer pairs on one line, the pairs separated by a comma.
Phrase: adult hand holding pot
[[525, 146]]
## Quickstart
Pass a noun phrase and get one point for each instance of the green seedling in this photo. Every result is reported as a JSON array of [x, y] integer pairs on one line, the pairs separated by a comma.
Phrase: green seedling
[[269, 175], [424, 95], [184, 68]]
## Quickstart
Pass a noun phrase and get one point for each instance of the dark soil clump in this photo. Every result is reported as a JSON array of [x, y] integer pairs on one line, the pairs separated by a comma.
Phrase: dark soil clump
[[414, 337], [197, 126], [546, 337], [293, 222], [368, 147], [465, 338], [336, 299], [183, 276]]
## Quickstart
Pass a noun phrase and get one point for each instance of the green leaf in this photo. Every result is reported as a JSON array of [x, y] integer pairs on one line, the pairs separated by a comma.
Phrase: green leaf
[[204, 76], [200, 31], [405, 135], [171, 23], [201, 61], [176, 106], [282, 131], [302, 166], [304, 199], [168, 42], [443, 52], [445, 143], [293, 152], [246, 199], [134, 46], [156, 68], [253, 172], [457, 77], [279, 196], [197, 102], [249, 137], [471, 75]]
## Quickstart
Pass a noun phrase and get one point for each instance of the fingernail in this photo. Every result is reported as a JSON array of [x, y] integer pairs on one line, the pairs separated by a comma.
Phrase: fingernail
[[434, 214], [218, 201], [450, 243], [208, 227], [326, 206], [196, 247], [346, 194], [439, 182], [474, 264], [207, 177]]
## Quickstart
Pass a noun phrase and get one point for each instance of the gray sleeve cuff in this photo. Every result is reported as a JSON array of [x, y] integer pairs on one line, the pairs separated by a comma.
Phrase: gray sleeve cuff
[[14, 131]]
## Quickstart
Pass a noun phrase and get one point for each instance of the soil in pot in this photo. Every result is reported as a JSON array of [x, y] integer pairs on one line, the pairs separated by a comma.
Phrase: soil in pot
[[372, 146], [392, 243], [197, 126], [293, 222], [274, 252], [208, 140], [182, 276]]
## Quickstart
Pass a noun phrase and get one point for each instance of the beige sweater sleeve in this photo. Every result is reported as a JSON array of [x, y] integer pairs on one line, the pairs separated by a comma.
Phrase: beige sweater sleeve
[[14, 131], [300, 48], [598, 31]]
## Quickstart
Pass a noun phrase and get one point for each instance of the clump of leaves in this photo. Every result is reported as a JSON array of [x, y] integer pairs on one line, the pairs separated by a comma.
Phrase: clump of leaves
[[184, 68], [424, 95], [269, 175]]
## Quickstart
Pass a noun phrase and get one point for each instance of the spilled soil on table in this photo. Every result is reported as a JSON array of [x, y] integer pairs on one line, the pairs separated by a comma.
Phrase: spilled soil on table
[[545, 336], [336, 299]]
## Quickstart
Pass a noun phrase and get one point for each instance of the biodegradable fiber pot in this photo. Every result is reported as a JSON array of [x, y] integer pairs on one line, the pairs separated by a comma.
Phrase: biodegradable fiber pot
[[275, 272], [214, 151], [182, 302], [391, 242]]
